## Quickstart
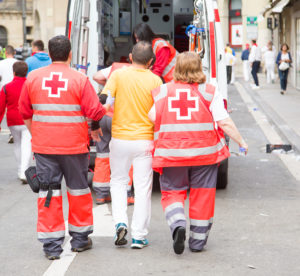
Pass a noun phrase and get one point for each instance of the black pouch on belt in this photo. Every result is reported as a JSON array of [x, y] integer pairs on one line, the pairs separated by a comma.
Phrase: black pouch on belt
[[32, 179], [49, 188]]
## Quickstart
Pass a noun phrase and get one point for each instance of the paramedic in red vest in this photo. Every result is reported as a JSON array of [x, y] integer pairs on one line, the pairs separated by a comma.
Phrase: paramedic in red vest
[[164, 52], [188, 148], [54, 103]]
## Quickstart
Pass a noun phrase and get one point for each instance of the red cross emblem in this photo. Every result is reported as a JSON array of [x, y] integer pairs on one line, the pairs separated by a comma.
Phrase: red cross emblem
[[183, 104], [55, 84]]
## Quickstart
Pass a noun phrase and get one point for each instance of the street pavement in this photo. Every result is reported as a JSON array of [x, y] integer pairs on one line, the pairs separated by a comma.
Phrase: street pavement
[[256, 227]]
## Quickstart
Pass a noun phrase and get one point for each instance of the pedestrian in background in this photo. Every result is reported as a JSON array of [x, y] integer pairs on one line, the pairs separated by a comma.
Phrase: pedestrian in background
[[6, 69], [269, 58], [284, 60], [54, 103], [9, 98], [183, 112], [245, 59], [165, 53], [229, 60], [39, 57], [132, 143], [255, 60]]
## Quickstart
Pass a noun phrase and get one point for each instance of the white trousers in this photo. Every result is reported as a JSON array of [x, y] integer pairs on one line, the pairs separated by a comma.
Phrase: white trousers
[[246, 70], [270, 68], [123, 154], [22, 148]]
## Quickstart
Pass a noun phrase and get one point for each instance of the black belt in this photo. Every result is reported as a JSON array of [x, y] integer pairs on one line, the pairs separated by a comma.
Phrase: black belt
[[49, 188]]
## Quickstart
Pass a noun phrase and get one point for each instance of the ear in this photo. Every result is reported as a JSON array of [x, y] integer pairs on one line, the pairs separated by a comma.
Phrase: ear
[[70, 57], [149, 63], [130, 57]]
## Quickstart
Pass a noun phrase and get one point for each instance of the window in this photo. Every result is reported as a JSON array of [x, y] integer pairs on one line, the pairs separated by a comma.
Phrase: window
[[3, 36]]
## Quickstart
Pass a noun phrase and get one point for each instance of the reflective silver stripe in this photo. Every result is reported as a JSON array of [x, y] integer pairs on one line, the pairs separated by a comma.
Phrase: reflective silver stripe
[[103, 155], [206, 96], [51, 235], [186, 127], [201, 223], [79, 192], [199, 236], [100, 184], [175, 218], [189, 152], [57, 107], [80, 229], [173, 206], [43, 194], [58, 119], [162, 94], [169, 66], [158, 42]]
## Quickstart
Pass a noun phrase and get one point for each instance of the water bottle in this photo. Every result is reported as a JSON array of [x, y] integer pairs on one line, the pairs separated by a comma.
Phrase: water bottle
[[242, 151]]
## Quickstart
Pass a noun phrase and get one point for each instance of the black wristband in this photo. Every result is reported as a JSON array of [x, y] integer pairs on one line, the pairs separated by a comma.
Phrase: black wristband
[[95, 125]]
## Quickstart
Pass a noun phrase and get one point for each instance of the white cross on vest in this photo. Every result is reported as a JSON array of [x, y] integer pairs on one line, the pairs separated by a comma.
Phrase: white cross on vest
[[183, 104], [55, 84]]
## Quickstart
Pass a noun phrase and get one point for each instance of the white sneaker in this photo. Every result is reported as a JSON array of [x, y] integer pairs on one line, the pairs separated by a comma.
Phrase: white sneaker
[[255, 87]]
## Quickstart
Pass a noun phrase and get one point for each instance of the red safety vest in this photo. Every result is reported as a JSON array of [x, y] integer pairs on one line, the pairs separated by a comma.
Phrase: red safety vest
[[117, 65], [184, 132], [58, 124], [159, 43]]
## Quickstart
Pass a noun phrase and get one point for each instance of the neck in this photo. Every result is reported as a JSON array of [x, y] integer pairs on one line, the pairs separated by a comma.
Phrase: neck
[[140, 66], [9, 56], [61, 62]]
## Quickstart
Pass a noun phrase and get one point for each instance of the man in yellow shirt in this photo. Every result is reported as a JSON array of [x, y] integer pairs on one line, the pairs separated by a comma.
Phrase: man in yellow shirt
[[132, 142]]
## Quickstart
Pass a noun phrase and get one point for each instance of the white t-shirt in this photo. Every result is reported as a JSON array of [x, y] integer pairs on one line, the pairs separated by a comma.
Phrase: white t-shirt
[[285, 56], [270, 57], [6, 70], [216, 108], [106, 71]]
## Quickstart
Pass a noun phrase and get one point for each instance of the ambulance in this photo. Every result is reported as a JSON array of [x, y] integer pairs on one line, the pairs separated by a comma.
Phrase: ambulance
[[100, 32]]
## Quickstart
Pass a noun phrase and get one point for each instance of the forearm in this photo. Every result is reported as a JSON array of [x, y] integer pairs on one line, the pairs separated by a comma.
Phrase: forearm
[[99, 78], [228, 126], [28, 124]]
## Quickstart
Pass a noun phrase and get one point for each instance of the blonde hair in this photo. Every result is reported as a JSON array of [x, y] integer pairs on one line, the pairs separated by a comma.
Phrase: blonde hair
[[188, 68]]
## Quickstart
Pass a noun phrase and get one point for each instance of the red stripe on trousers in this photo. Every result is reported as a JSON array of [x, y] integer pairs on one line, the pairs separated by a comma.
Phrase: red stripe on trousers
[[202, 203], [80, 210], [212, 49], [50, 219], [170, 197]]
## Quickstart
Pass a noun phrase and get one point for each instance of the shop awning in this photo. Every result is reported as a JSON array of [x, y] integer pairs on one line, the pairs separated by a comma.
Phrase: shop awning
[[276, 7]]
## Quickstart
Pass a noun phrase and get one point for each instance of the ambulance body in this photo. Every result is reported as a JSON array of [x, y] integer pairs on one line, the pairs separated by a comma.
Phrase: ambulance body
[[100, 32]]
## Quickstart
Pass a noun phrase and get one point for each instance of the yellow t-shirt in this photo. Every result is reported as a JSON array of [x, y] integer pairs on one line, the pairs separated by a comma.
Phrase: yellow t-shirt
[[131, 87]]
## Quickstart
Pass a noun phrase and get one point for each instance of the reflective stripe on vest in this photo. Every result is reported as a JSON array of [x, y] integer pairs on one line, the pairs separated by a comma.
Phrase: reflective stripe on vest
[[170, 66], [79, 192], [157, 43], [162, 93], [58, 119], [80, 229], [199, 236], [201, 223], [57, 107], [190, 152], [183, 128], [207, 96], [102, 155], [51, 235], [100, 184]]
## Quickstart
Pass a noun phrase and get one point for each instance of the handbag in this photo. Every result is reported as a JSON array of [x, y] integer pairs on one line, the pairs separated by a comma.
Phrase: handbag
[[283, 66]]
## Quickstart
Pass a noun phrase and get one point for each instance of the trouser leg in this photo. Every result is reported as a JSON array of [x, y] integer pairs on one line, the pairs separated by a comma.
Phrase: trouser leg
[[120, 158], [174, 183], [202, 201], [102, 176], [50, 224], [75, 170], [285, 78], [16, 133], [25, 150], [228, 71], [142, 178]]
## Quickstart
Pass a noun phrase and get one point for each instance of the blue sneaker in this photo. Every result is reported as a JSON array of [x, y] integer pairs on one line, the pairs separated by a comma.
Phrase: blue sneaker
[[139, 244], [121, 231]]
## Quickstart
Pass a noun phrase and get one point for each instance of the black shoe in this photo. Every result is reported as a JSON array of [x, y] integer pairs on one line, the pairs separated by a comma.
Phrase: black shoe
[[86, 247], [52, 257], [121, 232], [195, 250], [10, 139], [179, 238]]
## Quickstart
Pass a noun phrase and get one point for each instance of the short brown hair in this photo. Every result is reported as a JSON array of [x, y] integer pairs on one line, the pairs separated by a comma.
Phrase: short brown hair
[[188, 68], [38, 44], [20, 68], [285, 44], [142, 52]]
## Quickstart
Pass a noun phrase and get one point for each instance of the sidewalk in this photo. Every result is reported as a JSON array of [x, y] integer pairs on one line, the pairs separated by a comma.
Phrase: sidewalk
[[283, 111]]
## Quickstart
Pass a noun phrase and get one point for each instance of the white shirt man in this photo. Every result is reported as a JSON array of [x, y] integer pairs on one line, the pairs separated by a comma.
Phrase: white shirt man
[[6, 70]]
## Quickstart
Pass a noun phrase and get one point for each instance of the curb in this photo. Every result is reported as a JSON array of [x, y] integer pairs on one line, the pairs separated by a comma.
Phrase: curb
[[288, 135]]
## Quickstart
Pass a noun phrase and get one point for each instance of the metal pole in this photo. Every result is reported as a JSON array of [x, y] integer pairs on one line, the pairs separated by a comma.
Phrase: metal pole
[[24, 20]]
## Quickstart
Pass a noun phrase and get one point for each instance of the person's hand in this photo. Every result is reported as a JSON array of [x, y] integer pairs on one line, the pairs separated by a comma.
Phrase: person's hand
[[95, 134], [244, 145]]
